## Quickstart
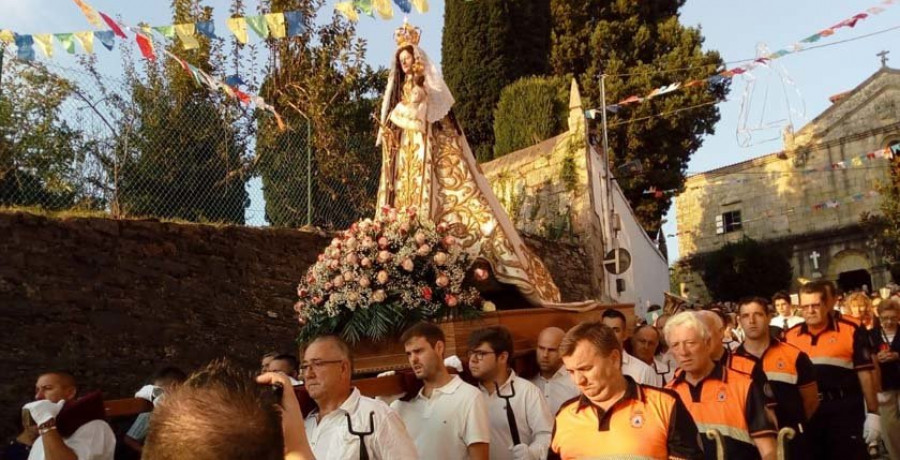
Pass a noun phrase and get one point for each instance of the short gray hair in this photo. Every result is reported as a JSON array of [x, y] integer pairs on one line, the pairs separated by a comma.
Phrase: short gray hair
[[689, 319]]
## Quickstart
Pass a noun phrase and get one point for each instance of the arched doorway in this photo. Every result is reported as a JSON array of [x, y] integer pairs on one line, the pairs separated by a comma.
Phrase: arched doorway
[[850, 269], [855, 280]]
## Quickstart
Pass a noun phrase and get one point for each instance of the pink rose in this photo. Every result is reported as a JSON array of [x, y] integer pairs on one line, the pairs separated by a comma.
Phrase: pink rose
[[448, 241], [365, 262], [310, 279], [481, 274], [334, 264], [384, 257], [348, 276], [368, 243], [408, 265], [382, 277], [351, 259], [301, 320], [420, 238], [354, 227], [352, 296], [328, 285], [383, 242], [365, 282], [364, 225], [411, 211], [351, 243], [424, 250], [379, 296], [451, 300], [443, 227], [302, 292], [338, 281], [299, 306], [427, 293], [317, 300], [442, 280], [336, 243], [321, 257], [440, 259], [404, 228]]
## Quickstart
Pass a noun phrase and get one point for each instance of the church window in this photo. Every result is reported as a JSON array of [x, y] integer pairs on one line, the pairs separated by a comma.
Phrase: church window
[[728, 222]]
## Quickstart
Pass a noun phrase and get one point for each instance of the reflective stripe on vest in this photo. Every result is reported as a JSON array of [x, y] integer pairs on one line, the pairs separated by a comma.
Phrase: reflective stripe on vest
[[831, 361], [732, 432], [783, 377]]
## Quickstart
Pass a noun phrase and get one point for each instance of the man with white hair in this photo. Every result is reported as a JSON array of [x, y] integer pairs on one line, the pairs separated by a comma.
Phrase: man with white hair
[[719, 399], [716, 327]]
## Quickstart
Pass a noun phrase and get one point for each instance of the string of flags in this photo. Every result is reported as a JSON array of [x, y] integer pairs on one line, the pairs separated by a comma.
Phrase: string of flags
[[761, 61], [352, 9]]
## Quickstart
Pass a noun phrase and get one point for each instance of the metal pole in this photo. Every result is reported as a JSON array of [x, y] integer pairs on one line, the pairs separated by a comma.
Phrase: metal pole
[[606, 168], [308, 172]]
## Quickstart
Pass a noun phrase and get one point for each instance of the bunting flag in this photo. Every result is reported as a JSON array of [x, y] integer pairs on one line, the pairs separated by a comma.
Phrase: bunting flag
[[89, 13], [234, 80], [67, 41], [348, 10], [275, 21], [207, 29], [145, 45], [86, 39], [259, 25], [45, 43], [7, 36], [365, 6], [384, 9], [404, 6], [238, 26], [106, 37], [24, 47], [113, 25], [421, 5], [166, 31], [185, 33], [295, 24]]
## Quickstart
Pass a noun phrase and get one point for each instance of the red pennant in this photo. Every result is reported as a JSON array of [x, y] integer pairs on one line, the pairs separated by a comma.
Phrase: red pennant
[[145, 46], [112, 25], [244, 97]]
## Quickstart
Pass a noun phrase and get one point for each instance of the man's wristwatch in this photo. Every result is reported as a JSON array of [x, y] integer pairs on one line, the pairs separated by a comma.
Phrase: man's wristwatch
[[49, 425]]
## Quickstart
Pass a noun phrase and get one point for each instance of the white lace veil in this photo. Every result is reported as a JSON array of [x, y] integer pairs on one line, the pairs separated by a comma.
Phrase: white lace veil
[[439, 100]]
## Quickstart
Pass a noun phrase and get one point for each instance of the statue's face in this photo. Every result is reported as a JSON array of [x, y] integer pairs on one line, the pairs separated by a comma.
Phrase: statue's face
[[406, 61]]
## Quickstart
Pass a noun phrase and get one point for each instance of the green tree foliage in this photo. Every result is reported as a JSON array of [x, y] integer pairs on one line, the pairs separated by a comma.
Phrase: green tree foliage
[[486, 46], [320, 78], [185, 158], [39, 150], [530, 110], [744, 268], [641, 46], [885, 225]]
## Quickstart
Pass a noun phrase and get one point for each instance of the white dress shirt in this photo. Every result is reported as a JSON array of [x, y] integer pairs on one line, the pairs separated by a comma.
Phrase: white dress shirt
[[557, 389], [779, 321], [94, 440], [533, 418], [640, 371], [665, 365], [444, 425], [330, 438]]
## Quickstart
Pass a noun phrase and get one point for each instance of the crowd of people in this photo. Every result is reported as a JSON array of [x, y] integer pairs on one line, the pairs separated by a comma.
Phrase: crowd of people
[[766, 383]]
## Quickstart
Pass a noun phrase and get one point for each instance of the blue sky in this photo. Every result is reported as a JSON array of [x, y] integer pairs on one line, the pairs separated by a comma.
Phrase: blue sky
[[796, 83]]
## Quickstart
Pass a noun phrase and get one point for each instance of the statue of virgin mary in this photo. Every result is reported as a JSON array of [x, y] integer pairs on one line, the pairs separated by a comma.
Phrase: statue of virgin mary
[[427, 165]]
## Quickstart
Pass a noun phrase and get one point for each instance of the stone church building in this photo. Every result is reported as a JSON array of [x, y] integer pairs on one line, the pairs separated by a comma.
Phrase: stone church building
[[808, 197]]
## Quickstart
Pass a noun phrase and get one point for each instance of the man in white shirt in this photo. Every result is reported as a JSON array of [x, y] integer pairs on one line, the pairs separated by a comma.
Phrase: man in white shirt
[[516, 406], [448, 418], [93, 440], [553, 380], [785, 319], [631, 366], [373, 426]]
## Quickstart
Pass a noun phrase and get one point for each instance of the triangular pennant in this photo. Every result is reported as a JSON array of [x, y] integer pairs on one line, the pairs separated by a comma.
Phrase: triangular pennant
[[421, 5], [67, 41], [234, 80], [348, 10], [7, 36], [86, 39], [275, 21], [812, 38], [207, 29], [89, 13], [238, 26], [24, 47], [185, 33], [113, 25], [259, 25], [242, 96], [146, 46], [295, 25], [404, 6], [45, 43], [365, 6], [106, 37], [166, 31], [228, 91]]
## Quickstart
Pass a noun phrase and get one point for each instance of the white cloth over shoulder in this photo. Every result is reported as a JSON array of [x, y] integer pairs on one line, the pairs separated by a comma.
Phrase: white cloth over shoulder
[[92, 441], [533, 419]]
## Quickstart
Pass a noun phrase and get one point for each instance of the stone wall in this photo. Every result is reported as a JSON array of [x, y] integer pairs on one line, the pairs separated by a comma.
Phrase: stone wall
[[112, 301]]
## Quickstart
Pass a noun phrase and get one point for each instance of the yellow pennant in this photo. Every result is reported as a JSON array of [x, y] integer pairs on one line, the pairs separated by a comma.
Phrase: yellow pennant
[[185, 33], [45, 43], [348, 10], [421, 5], [238, 26], [90, 13], [276, 25], [86, 39], [384, 9], [6, 36]]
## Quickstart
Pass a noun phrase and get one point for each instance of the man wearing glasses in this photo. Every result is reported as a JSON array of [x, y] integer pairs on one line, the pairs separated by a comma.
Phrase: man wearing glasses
[[839, 350], [520, 419], [447, 418], [345, 422]]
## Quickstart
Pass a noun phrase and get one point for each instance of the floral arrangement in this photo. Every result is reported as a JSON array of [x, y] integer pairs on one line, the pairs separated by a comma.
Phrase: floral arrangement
[[381, 276]]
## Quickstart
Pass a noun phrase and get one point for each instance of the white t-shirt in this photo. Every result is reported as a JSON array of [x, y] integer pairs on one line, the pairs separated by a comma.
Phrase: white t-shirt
[[330, 438], [557, 389], [533, 418], [92, 441], [640, 371], [444, 425]]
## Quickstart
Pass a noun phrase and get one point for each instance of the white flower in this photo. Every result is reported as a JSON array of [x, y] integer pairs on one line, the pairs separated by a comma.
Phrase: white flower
[[382, 277], [420, 238], [379, 296], [488, 306], [384, 257], [442, 280], [366, 262], [365, 282], [348, 276], [440, 259], [338, 281], [424, 250], [408, 265]]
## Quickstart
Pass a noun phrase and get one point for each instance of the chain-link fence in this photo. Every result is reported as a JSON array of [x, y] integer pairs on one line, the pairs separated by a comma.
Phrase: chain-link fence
[[137, 145]]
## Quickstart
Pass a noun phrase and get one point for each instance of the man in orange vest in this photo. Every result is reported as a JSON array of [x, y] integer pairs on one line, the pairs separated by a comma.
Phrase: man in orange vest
[[841, 427], [787, 372], [718, 398], [614, 416]]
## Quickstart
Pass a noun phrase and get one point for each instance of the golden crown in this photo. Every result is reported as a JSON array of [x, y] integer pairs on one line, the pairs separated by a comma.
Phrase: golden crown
[[407, 35]]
